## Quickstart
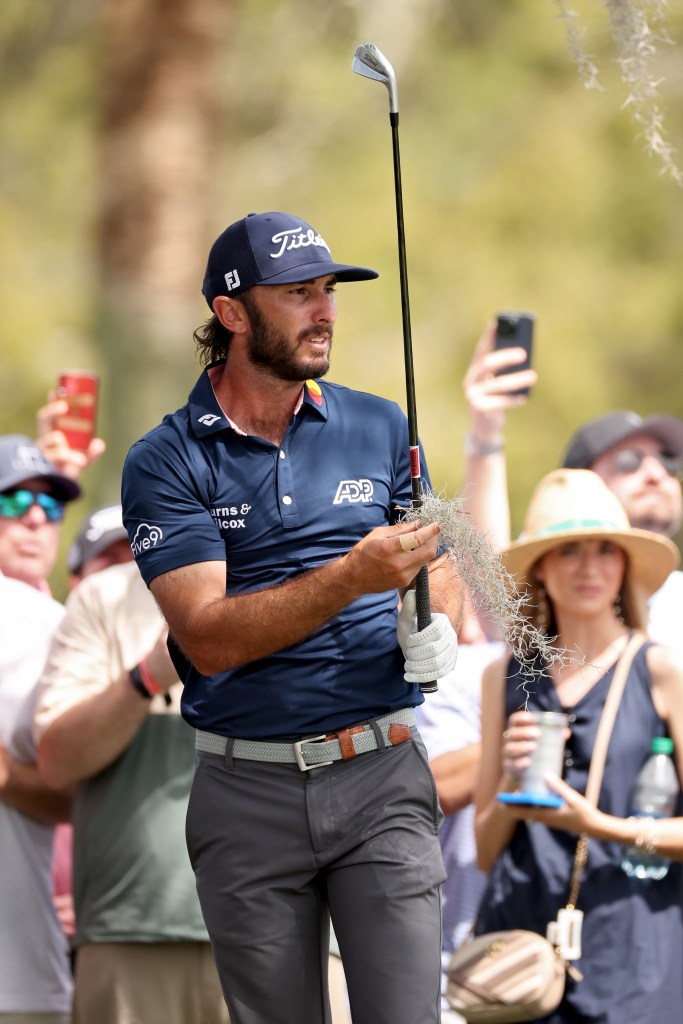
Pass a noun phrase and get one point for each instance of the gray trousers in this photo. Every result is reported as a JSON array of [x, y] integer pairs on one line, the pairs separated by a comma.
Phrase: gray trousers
[[277, 851]]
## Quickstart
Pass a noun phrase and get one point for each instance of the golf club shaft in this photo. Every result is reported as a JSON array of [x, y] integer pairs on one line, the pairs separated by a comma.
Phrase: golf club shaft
[[424, 613], [369, 62]]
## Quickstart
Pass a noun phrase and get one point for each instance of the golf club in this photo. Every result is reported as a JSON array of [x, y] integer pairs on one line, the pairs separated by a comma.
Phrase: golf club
[[370, 62]]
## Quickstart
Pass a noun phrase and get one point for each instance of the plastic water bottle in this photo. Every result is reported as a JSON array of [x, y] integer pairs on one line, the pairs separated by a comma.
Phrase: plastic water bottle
[[655, 797]]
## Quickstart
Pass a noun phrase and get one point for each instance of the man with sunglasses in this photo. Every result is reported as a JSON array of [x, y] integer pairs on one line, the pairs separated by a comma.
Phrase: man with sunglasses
[[640, 460], [35, 982], [33, 496]]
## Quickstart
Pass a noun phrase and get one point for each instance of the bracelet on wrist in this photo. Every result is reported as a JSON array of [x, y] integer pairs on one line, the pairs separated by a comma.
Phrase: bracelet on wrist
[[145, 683], [646, 839], [474, 448]]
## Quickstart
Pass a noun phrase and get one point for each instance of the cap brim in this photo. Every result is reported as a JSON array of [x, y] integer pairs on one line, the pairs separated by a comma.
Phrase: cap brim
[[651, 557], [63, 487], [666, 429], [311, 271]]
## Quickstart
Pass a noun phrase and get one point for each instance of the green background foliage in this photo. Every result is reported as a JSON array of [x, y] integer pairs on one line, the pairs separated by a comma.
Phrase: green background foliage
[[522, 190]]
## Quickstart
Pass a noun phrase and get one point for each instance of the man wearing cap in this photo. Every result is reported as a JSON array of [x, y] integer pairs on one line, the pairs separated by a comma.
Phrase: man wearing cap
[[101, 541], [264, 516], [640, 460], [35, 981], [33, 496]]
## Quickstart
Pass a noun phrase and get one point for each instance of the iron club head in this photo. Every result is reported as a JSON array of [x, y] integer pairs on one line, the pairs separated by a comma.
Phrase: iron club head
[[371, 63]]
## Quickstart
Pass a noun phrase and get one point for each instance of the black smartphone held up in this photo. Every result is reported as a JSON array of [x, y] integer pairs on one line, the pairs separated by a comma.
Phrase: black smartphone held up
[[516, 330]]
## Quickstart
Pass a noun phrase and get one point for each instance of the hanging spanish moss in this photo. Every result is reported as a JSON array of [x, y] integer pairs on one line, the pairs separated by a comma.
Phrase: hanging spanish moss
[[492, 589], [637, 27]]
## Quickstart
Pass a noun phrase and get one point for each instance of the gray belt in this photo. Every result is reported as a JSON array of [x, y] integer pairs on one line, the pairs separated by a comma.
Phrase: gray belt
[[316, 751]]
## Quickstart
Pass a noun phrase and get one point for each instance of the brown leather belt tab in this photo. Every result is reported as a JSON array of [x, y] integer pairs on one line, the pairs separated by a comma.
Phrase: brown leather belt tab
[[345, 742], [398, 733]]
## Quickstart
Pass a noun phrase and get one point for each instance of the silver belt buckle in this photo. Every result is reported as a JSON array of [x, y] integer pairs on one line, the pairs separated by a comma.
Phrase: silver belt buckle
[[303, 767]]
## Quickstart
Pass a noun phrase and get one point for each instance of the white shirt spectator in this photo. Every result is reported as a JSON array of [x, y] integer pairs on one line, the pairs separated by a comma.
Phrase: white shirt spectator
[[34, 967]]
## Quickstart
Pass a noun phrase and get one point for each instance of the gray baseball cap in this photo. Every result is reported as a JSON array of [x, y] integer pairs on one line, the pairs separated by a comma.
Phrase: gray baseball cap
[[21, 459], [97, 531], [599, 435]]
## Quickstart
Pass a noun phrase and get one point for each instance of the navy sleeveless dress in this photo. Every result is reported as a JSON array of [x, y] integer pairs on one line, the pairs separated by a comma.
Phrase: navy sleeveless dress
[[632, 959]]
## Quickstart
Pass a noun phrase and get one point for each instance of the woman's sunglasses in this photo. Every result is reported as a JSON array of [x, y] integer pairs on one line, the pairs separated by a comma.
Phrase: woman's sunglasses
[[14, 504]]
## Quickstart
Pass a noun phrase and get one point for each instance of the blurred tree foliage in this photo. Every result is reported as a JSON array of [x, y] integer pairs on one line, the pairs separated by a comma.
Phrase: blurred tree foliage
[[522, 190]]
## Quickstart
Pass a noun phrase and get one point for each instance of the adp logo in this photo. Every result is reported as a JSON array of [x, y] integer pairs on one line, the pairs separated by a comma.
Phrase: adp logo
[[353, 491]]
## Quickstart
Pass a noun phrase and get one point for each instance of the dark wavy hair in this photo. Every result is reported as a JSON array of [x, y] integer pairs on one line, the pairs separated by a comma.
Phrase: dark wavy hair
[[212, 340]]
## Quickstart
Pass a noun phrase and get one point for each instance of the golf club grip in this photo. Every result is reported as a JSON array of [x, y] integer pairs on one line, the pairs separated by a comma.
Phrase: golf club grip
[[424, 614]]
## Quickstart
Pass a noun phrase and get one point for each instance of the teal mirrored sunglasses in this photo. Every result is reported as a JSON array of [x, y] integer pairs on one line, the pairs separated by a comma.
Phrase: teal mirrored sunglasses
[[14, 504]]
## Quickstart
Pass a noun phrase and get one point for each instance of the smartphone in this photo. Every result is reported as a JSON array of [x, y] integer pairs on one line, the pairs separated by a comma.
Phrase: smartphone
[[79, 388], [515, 330]]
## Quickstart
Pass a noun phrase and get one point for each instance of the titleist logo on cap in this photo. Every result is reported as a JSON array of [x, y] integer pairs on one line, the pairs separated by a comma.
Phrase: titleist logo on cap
[[296, 238]]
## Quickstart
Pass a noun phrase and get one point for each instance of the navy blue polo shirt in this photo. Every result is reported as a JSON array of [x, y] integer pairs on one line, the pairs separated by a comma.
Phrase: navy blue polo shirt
[[196, 490]]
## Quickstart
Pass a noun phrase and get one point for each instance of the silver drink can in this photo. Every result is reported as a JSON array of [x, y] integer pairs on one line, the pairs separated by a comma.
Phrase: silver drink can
[[549, 754]]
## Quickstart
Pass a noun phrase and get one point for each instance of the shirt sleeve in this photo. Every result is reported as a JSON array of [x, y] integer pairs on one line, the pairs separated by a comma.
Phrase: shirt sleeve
[[166, 510], [78, 665]]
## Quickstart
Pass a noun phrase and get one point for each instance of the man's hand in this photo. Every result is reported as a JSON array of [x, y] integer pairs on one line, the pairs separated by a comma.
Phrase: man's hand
[[430, 653], [53, 443], [488, 392]]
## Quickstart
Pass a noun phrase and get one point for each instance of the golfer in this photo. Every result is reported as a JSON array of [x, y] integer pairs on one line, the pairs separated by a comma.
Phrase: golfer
[[264, 518]]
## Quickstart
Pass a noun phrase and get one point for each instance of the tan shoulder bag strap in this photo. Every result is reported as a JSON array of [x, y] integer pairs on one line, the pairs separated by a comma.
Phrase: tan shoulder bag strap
[[599, 756]]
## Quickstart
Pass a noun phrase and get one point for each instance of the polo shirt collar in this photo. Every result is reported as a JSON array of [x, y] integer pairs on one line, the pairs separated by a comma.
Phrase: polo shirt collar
[[207, 417]]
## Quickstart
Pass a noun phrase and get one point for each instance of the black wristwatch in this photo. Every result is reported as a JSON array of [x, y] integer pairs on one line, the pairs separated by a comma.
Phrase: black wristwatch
[[136, 680]]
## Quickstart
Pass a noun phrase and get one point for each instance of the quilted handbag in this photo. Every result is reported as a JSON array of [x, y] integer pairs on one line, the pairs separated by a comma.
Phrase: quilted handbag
[[505, 976]]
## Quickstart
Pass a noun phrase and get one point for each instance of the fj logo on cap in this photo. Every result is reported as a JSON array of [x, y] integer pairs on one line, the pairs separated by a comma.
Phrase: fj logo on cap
[[296, 238], [232, 280]]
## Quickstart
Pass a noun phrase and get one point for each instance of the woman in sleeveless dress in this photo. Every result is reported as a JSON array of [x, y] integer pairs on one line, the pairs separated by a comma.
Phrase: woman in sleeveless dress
[[588, 575]]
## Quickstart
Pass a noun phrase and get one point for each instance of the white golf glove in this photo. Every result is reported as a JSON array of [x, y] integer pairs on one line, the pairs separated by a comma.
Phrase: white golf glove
[[430, 653]]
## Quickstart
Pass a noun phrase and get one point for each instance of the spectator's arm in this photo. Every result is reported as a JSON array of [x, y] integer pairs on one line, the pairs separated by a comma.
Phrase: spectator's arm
[[485, 492], [22, 788], [494, 826], [92, 733], [455, 774]]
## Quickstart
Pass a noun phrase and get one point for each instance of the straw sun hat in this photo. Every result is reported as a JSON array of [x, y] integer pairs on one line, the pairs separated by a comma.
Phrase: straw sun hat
[[575, 504]]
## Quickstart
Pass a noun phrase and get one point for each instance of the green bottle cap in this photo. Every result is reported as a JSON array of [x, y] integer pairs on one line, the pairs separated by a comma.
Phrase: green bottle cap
[[662, 745]]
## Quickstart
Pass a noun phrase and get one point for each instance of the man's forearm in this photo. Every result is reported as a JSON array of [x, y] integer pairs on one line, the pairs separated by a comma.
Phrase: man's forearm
[[258, 623], [91, 735], [25, 791], [219, 632]]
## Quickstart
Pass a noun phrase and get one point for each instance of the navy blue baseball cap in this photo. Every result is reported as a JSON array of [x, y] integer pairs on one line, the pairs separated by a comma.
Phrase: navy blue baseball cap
[[271, 248]]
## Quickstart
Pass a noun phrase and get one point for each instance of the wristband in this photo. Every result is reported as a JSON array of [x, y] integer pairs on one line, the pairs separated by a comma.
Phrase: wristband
[[475, 449], [646, 839], [145, 683]]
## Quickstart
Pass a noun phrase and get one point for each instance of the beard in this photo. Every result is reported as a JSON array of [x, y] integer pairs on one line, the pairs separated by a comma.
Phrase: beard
[[665, 526], [270, 348]]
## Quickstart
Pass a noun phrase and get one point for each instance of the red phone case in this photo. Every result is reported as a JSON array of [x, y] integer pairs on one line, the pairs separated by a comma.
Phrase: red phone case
[[79, 388]]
